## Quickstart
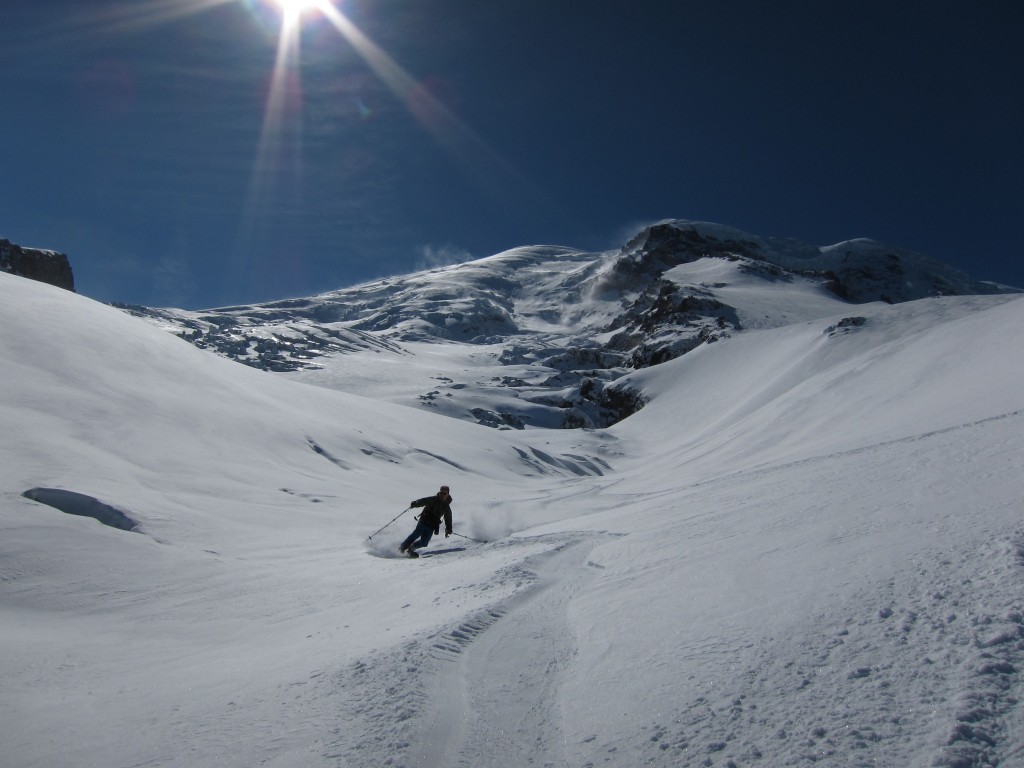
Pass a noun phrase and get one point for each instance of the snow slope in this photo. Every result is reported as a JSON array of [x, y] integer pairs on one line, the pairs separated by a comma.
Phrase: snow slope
[[807, 547]]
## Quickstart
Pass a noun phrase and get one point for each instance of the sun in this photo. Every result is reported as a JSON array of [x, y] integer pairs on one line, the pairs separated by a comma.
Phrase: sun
[[293, 10]]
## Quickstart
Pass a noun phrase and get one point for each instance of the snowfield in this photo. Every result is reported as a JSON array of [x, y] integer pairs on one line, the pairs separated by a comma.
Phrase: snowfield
[[808, 547]]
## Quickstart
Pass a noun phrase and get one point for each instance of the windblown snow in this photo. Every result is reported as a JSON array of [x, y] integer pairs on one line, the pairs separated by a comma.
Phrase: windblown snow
[[807, 546]]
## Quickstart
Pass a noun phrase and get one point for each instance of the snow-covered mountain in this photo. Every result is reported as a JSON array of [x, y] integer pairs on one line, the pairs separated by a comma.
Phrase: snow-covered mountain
[[547, 332], [805, 547]]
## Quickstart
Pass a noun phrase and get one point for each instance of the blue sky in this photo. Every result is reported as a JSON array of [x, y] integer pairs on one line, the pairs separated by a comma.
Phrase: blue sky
[[153, 143]]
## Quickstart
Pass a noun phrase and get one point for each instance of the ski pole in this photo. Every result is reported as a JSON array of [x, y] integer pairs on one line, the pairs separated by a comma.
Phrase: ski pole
[[389, 523], [478, 541]]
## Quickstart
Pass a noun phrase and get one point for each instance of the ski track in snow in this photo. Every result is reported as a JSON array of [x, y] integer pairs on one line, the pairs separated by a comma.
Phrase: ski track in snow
[[428, 703]]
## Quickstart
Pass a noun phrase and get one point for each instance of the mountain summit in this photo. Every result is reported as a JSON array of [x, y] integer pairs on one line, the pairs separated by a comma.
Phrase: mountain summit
[[546, 334]]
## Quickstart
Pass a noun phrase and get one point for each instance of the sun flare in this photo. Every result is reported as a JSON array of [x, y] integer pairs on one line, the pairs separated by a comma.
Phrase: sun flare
[[295, 8]]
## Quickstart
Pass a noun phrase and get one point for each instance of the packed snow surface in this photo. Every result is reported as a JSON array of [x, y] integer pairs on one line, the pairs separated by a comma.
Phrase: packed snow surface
[[807, 548]]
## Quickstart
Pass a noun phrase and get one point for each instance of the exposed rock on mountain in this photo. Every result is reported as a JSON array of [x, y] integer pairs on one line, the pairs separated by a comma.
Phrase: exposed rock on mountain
[[859, 270], [36, 264]]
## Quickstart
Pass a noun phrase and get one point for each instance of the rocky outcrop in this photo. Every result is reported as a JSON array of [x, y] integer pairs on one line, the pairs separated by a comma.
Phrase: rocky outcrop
[[36, 264], [858, 271]]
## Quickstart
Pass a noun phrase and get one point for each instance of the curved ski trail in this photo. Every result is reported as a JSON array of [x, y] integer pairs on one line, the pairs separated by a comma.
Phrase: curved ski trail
[[494, 700]]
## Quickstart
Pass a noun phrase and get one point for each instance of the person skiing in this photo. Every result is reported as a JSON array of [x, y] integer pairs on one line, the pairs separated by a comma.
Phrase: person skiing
[[434, 508]]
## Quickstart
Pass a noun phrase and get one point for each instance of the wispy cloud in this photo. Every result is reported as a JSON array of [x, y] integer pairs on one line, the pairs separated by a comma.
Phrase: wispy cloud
[[437, 256]]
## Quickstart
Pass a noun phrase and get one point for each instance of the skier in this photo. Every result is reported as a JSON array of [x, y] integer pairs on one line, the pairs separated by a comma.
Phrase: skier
[[434, 508]]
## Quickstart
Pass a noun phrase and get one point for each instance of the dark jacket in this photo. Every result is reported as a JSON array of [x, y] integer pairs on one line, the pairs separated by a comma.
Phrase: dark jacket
[[434, 508]]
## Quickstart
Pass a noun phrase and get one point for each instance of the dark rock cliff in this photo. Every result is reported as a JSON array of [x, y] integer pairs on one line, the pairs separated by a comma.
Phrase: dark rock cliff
[[37, 264]]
